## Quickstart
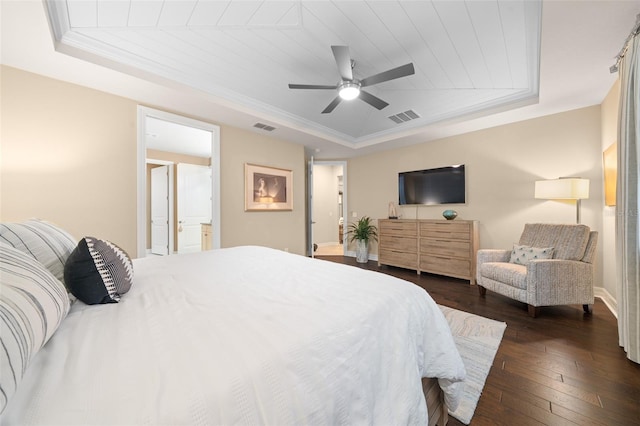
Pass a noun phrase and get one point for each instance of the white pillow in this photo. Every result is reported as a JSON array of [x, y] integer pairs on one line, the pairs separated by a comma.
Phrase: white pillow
[[43, 241], [522, 255], [33, 304]]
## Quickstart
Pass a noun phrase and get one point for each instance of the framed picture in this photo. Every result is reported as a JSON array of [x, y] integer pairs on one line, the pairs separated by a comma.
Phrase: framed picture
[[610, 159], [267, 188]]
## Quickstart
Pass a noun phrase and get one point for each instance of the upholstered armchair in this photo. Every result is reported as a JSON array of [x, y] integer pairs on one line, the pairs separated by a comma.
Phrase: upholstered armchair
[[551, 265]]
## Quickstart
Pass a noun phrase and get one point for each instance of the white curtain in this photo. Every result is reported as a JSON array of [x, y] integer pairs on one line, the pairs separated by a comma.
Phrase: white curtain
[[627, 218]]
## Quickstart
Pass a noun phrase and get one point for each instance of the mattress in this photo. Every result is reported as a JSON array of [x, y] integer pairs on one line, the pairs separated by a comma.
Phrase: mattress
[[244, 335]]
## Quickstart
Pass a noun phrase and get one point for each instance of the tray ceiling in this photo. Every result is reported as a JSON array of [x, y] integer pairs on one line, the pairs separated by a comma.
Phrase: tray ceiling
[[470, 57]]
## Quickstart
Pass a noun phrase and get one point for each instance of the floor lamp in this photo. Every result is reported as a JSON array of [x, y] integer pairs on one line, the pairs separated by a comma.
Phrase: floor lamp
[[569, 188]]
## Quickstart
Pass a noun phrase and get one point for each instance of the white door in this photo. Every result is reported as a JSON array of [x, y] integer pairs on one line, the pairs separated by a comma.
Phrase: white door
[[160, 210], [194, 205]]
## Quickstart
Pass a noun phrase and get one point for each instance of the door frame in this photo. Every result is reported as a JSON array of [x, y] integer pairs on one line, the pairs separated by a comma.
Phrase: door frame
[[311, 164], [143, 114]]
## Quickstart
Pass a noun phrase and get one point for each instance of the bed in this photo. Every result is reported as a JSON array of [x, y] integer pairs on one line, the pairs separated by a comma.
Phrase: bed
[[246, 335]]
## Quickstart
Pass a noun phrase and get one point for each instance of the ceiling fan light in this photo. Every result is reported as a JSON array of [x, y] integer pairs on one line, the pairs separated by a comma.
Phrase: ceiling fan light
[[349, 91]]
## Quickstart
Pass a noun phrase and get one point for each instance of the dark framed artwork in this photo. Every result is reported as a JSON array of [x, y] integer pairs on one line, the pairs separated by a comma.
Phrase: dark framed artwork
[[267, 188]]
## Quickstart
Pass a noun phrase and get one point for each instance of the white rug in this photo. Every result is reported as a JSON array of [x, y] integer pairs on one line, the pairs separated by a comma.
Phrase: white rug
[[477, 339]]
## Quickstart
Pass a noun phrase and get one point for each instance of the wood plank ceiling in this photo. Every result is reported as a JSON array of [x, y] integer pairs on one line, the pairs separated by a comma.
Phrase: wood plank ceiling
[[469, 56]]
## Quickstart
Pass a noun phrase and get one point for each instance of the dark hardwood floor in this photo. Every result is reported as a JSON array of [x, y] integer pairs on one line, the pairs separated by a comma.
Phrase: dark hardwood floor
[[562, 368]]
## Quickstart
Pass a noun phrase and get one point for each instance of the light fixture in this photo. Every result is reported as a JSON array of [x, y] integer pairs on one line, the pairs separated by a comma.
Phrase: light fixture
[[567, 188], [349, 90]]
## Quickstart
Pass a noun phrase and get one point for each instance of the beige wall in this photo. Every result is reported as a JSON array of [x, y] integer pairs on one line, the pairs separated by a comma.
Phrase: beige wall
[[154, 154], [56, 136], [69, 156], [502, 165], [279, 229], [610, 108]]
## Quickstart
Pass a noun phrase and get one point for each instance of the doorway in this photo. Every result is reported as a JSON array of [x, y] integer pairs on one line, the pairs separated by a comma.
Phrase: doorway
[[328, 207], [170, 137]]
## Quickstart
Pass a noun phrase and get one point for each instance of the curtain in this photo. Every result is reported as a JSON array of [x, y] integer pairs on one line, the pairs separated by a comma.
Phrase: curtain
[[627, 219]]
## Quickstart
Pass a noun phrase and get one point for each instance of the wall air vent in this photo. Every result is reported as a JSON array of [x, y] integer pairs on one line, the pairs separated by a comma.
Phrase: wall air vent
[[265, 127], [404, 116]]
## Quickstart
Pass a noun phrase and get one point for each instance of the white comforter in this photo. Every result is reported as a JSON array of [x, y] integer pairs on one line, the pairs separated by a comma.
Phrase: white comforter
[[245, 335]]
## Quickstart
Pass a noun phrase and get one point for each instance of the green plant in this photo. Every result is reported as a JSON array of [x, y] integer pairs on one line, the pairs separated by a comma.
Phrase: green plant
[[363, 230]]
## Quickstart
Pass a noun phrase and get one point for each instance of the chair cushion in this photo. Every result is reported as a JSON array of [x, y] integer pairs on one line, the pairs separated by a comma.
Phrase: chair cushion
[[569, 241], [508, 273]]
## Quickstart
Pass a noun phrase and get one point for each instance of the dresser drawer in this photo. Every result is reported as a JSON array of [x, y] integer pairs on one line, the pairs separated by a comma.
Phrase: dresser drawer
[[453, 248], [448, 230], [393, 242], [446, 266], [397, 227], [398, 258]]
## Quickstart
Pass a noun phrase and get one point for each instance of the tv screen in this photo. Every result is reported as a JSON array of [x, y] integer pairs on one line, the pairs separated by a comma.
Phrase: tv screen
[[444, 185]]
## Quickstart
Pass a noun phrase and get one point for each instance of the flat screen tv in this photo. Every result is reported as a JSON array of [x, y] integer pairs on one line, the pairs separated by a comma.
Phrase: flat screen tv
[[444, 185]]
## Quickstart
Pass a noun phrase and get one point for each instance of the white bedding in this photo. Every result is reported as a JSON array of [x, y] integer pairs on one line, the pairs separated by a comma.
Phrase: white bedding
[[244, 335]]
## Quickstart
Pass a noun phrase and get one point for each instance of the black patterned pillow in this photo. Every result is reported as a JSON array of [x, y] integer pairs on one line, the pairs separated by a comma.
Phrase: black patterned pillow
[[98, 271]]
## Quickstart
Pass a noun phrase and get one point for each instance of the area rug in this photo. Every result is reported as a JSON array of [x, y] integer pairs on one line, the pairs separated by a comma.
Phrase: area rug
[[477, 339]]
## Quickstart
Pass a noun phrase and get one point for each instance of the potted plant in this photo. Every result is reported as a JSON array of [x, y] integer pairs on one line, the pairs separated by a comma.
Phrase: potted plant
[[361, 232]]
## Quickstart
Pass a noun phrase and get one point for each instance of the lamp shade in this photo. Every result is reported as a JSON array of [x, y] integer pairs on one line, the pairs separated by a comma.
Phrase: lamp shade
[[349, 90], [562, 189]]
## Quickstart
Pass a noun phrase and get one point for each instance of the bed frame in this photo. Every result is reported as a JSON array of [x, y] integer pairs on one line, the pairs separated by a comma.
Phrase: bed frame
[[438, 412]]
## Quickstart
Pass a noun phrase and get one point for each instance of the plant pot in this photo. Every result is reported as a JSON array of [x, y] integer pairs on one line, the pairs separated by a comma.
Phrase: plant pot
[[362, 251]]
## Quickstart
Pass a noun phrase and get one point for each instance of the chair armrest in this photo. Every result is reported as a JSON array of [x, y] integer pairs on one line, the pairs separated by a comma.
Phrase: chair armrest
[[493, 255], [559, 282]]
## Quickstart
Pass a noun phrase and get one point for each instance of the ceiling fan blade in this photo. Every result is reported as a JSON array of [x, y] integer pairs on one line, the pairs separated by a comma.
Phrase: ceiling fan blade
[[374, 101], [334, 103], [311, 86], [391, 74], [343, 60]]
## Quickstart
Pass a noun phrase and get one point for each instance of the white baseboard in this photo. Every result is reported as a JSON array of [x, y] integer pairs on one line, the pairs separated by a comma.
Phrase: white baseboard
[[332, 243], [609, 301]]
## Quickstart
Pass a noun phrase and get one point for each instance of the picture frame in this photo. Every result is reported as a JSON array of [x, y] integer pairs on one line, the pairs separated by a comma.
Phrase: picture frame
[[267, 188], [610, 162]]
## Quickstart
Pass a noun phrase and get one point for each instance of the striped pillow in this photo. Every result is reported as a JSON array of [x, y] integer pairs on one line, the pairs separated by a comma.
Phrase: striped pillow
[[33, 304], [41, 240], [98, 271]]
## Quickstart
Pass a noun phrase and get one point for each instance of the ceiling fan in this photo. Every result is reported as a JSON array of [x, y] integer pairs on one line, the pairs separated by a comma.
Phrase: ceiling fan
[[349, 87]]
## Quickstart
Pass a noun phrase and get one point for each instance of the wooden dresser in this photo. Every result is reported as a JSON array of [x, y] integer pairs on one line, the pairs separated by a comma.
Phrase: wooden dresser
[[444, 247]]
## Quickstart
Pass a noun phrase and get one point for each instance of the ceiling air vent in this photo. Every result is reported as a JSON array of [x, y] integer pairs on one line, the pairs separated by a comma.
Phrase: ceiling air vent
[[264, 127], [404, 116]]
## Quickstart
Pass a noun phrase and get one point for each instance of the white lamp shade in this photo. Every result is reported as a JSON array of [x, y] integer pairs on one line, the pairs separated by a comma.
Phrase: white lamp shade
[[562, 189], [349, 91]]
